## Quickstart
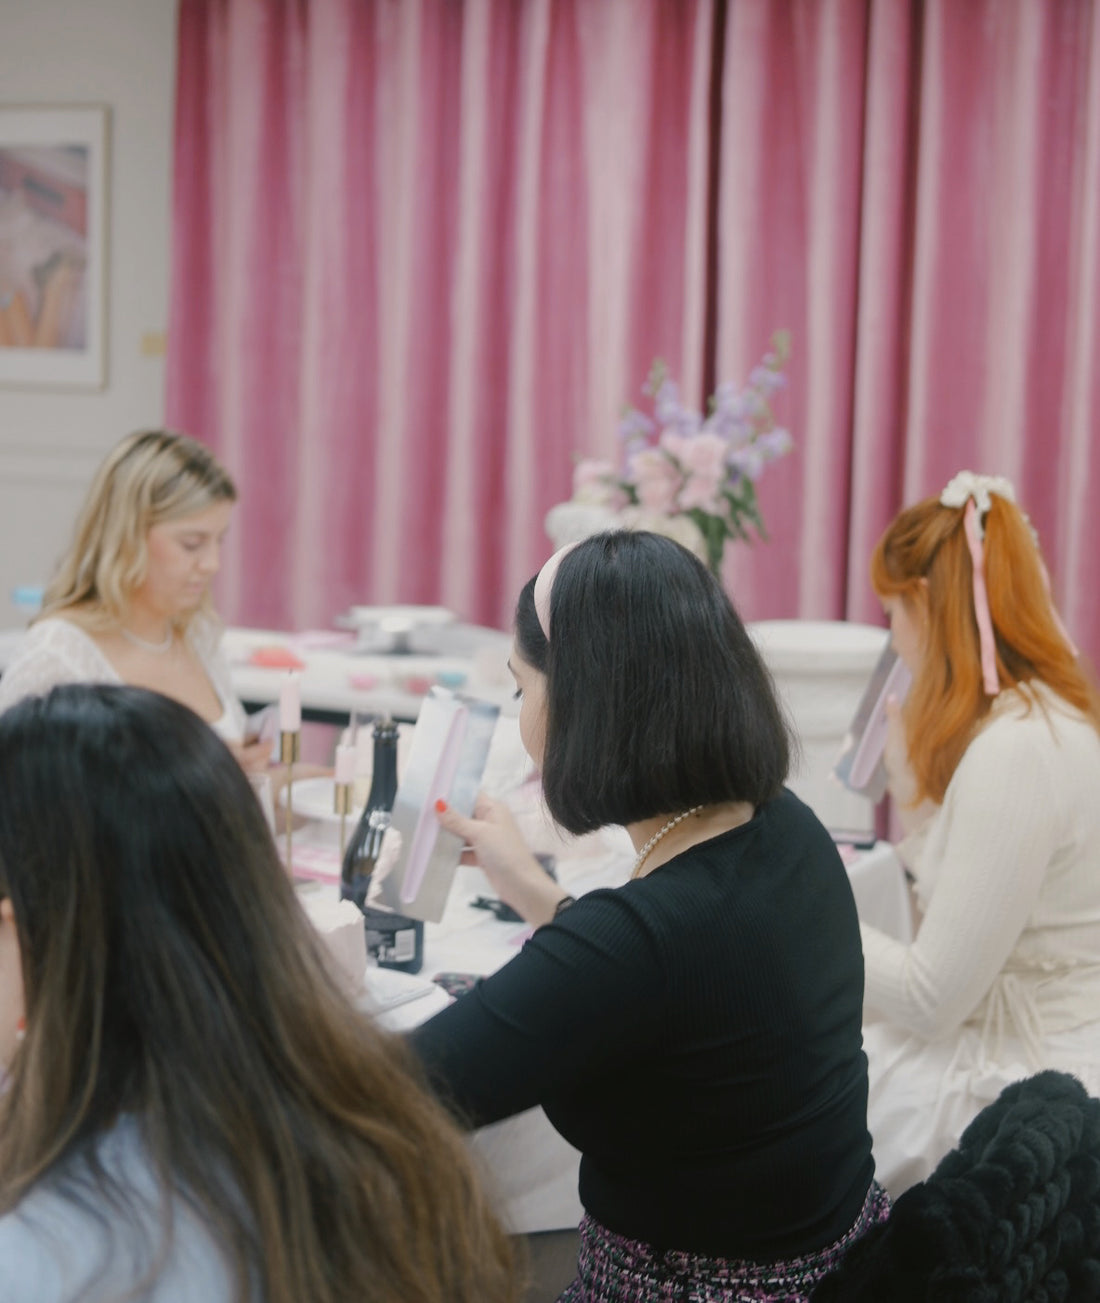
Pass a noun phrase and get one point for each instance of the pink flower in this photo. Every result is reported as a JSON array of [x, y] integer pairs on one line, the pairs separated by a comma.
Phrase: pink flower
[[656, 480], [596, 484], [687, 473], [704, 454], [703, 490], [672, 442], [702, 459]]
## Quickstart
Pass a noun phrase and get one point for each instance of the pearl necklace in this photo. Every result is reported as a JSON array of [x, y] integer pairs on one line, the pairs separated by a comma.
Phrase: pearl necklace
[[157, 648], [643, 854]]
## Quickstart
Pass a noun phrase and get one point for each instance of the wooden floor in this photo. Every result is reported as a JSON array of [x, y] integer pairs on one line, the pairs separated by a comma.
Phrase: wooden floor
[[551, 1264]]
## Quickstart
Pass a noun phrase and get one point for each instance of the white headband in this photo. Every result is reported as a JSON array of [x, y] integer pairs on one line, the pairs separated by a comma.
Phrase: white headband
[[544, 585]]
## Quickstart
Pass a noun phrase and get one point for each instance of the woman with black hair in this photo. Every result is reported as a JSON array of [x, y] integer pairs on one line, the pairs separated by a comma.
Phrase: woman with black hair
[[193, 1111], [695, 1033]]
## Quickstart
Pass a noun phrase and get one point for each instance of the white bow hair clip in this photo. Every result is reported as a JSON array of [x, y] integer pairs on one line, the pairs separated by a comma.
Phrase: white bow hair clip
[[967, 484]]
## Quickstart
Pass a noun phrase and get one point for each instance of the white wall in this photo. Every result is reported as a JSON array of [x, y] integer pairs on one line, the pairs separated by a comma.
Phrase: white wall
[[120, 53]]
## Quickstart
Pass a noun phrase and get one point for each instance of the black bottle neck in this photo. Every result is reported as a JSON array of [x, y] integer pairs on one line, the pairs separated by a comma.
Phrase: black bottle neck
[[383, 787]]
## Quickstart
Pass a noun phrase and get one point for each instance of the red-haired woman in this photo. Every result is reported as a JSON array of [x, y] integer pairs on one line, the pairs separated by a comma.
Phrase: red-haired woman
[[996, 770]]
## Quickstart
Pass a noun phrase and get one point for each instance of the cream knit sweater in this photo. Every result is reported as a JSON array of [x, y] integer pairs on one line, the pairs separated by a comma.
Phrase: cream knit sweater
[[1008, 879]]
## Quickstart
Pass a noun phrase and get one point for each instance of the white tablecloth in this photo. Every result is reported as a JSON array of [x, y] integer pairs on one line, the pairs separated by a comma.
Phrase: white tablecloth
[[337, 678], [882, 894]]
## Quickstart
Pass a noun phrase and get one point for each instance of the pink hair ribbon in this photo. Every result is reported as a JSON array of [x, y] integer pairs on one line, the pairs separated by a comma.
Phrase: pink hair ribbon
[[981, 601], [544, 585]]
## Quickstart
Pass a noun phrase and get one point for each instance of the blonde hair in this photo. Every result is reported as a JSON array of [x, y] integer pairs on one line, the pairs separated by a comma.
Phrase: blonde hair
[[151, 477], [923, 559]]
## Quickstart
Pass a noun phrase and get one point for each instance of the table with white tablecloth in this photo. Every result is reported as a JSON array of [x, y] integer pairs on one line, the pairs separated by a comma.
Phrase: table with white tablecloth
[[879, 885], [339, 676]]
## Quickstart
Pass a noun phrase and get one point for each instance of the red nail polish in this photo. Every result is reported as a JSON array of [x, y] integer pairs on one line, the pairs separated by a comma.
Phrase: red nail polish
[[441, 806]]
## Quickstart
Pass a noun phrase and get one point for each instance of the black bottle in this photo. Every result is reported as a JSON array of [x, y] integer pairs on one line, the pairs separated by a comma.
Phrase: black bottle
[[394, 940]]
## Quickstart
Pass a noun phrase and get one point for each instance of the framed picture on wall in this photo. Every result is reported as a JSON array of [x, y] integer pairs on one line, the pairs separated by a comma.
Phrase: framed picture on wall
[[53, 245]]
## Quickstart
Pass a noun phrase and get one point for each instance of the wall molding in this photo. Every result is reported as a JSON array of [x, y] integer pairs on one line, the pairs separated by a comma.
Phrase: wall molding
[[52, 466]]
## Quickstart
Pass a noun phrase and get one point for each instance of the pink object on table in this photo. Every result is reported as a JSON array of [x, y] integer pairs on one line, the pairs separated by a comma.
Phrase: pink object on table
[[363, 682], [345, 764], [276, 658], [315, 863], [290, 703]]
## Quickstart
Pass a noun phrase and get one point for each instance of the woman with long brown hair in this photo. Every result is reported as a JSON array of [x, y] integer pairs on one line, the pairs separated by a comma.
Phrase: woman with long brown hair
[[193, 1112], [995, 765]]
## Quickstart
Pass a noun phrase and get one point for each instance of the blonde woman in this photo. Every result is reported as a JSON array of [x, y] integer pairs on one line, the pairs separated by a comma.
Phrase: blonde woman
[[130, 600]]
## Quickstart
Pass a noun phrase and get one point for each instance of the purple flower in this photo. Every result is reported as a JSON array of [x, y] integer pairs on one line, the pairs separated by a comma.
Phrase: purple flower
[[671, 413], [683, 471], [724, 395], [766, 379], [666, 402], [635, 426], [775, 443], [748, 461]]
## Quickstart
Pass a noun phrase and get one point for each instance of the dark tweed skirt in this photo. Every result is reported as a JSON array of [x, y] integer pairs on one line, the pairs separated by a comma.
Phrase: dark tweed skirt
[[614, 1269]]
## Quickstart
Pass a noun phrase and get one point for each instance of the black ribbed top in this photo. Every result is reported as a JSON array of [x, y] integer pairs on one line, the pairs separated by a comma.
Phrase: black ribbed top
[[696, 1035]]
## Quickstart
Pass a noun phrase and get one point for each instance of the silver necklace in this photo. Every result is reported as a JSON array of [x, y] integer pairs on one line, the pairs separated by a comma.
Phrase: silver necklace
[[643, 854], [157, 648]]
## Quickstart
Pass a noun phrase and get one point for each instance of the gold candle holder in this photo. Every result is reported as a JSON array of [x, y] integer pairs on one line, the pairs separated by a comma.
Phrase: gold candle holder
[[341, 804], [289, 747]]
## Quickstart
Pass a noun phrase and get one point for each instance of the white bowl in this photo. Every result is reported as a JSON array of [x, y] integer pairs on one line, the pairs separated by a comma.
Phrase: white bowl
[[391, 628], [394, 619]]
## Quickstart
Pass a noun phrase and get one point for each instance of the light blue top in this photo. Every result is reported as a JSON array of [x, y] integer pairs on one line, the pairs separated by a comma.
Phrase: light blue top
[[81, 1247]]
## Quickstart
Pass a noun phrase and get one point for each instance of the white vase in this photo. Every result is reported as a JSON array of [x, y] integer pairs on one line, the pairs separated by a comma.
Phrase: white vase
[[569, 522], [821, 668]]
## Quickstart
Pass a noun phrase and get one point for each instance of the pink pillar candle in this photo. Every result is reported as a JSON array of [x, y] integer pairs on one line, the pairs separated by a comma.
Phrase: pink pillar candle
[[290, 703]]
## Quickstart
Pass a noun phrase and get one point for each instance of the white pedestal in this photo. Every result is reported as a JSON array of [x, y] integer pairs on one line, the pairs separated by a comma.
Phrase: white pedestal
[[821, 668]]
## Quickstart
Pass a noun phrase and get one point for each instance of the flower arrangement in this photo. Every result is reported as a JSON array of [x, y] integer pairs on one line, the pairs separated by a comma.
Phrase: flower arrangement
[[689, 476]]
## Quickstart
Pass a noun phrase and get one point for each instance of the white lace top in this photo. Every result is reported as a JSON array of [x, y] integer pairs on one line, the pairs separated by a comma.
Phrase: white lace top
[[55, 651]]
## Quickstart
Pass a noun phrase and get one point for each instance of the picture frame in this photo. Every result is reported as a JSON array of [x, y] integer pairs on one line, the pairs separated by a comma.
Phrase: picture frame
[[53, 245]]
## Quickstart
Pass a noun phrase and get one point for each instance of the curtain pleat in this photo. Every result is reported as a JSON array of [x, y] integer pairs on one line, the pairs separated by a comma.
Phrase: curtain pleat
[[789, 217], [422, 254], [912, 188]]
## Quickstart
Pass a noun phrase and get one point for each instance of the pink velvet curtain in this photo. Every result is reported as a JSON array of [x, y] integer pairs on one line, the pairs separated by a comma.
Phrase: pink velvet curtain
[[420, 251], [915, 188], [424, 250]]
